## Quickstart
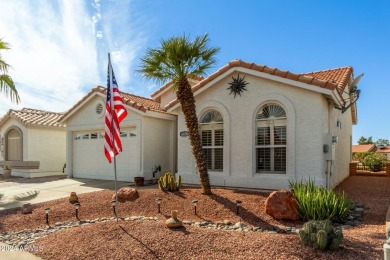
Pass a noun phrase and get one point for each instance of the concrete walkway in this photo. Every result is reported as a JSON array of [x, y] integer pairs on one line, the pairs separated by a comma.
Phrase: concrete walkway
[[15, 192]]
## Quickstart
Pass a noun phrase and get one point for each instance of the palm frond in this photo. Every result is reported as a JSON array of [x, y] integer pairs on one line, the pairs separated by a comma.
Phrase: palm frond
[[178, 58], [7, 87]]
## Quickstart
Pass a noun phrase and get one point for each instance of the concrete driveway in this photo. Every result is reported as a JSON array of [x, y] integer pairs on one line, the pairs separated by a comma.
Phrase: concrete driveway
[[15, 192]]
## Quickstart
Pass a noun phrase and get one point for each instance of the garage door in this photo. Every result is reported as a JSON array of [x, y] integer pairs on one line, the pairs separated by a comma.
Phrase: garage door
[[90, 162]]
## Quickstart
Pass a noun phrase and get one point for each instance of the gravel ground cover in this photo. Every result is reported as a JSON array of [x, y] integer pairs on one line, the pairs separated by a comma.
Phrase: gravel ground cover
[[152, 240]]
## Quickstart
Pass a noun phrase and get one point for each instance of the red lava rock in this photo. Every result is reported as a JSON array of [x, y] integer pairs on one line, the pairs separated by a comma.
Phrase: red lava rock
[[282, 205], [26, 208], [73, 198], [126, 193]]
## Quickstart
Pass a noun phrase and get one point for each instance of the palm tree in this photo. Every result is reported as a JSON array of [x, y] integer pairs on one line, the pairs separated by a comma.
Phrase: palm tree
[[178, 60], [7, 85]]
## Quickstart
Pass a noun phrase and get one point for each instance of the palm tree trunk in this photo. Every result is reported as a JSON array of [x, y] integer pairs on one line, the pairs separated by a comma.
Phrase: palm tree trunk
[[187, 101]]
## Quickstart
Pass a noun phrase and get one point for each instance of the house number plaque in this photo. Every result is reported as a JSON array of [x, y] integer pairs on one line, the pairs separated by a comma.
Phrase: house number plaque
[[183, 133]]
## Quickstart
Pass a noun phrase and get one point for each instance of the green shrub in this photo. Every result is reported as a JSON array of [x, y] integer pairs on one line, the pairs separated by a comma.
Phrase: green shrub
[[318, 203], [360, 156], [375, 161]]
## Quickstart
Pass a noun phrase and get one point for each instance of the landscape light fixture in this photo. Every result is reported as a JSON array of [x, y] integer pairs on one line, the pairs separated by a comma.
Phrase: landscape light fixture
[[76, 206], [47, 215], [158, 201], [238, 202], [113, 203], [194, 202]]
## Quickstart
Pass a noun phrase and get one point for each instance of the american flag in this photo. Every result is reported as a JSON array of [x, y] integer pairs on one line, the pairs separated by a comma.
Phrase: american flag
[[115, 113]]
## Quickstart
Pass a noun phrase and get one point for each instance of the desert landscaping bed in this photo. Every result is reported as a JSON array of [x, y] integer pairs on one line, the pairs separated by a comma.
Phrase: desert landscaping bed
[[136, 239]]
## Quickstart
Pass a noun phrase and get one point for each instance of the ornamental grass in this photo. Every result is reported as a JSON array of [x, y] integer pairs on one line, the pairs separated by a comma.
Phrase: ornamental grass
[[318, 203]]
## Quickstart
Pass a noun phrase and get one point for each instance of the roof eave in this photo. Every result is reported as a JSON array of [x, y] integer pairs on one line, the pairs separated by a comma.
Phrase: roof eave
[[198, 88]]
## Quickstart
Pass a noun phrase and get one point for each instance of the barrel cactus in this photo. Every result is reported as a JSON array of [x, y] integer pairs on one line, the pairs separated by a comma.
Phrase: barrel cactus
[[168, 182], [321, 235]]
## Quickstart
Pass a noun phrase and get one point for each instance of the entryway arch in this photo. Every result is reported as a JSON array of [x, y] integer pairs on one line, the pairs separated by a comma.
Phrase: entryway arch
[[14, 144]]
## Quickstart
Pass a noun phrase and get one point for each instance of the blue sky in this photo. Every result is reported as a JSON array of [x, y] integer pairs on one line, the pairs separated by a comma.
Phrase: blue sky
[[59, 48]]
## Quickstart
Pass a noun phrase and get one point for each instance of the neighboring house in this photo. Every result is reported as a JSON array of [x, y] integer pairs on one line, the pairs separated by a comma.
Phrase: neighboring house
[[385, 151], [32, 142], [276, 130], [361, 148], [147, 134]]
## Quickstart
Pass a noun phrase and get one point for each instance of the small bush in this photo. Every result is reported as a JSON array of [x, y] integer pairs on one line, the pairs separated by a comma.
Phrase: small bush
[[318, 203], [361, 156], [375, 161]]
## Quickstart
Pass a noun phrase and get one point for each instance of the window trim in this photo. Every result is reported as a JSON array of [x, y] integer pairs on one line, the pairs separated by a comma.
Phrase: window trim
[[270, 122], [214, 126]]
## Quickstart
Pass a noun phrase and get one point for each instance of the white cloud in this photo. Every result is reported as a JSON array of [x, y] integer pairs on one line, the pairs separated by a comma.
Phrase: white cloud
[[59, 50], [53, 52]]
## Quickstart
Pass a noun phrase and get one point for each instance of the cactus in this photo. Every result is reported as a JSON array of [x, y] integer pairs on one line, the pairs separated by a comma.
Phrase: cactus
[[327, 226], [168, 182], [321, 235], [322, 239]]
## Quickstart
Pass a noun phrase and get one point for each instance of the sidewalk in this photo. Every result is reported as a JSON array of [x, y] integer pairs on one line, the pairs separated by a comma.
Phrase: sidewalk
[[13, 193], [9, 253]]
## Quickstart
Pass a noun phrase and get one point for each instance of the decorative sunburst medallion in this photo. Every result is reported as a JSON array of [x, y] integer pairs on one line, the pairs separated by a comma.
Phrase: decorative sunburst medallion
[[237, 86]]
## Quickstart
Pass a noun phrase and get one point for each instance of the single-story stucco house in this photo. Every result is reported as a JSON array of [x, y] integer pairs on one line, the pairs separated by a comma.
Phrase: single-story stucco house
[[32, 143], [260, 127]]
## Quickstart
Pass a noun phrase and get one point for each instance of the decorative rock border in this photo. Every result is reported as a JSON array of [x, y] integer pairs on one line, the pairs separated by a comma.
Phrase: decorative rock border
[[27, 236]]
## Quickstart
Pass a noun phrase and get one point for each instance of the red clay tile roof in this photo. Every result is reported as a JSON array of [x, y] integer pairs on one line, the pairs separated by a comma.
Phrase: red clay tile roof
[[328, 79], [158, 91], [137, 102], [384, 150], [34, 117], [339, 76], [360, 148]]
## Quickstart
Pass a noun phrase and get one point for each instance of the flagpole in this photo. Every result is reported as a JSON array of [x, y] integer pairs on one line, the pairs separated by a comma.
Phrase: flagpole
[[112, 134]]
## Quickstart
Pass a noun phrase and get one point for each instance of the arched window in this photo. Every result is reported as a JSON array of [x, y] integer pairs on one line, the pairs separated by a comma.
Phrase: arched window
[[271, 139], [211, 130]]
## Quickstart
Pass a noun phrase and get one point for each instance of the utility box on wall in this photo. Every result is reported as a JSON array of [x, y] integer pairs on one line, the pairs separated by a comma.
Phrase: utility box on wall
[[330, 147]]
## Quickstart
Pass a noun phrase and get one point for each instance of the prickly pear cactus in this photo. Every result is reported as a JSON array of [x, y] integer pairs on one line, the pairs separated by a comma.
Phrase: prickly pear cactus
[[321, 235], [168, 182]]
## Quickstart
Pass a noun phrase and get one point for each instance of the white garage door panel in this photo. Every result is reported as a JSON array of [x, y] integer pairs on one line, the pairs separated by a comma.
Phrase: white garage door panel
[[89, 160]]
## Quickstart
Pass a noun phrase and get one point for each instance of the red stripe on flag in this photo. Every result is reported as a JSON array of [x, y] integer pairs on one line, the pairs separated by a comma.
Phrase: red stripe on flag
[[115, 113]]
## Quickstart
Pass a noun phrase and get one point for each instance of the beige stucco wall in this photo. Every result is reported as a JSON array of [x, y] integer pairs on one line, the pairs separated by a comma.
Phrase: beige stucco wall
[[48, 147], [44, 144], [159, 146], [306, 117]]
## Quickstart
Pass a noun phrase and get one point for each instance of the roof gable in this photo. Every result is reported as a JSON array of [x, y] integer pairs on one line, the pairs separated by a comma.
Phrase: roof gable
[[139, 103], [334, 79], [360, 148], [34, 117]]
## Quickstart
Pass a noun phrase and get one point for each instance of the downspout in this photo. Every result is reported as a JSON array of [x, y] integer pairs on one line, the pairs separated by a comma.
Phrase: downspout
[[329, 162]]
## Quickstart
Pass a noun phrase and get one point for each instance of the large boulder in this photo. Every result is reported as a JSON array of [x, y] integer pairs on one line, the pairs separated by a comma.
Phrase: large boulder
[[126, 193], [282, 204]]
